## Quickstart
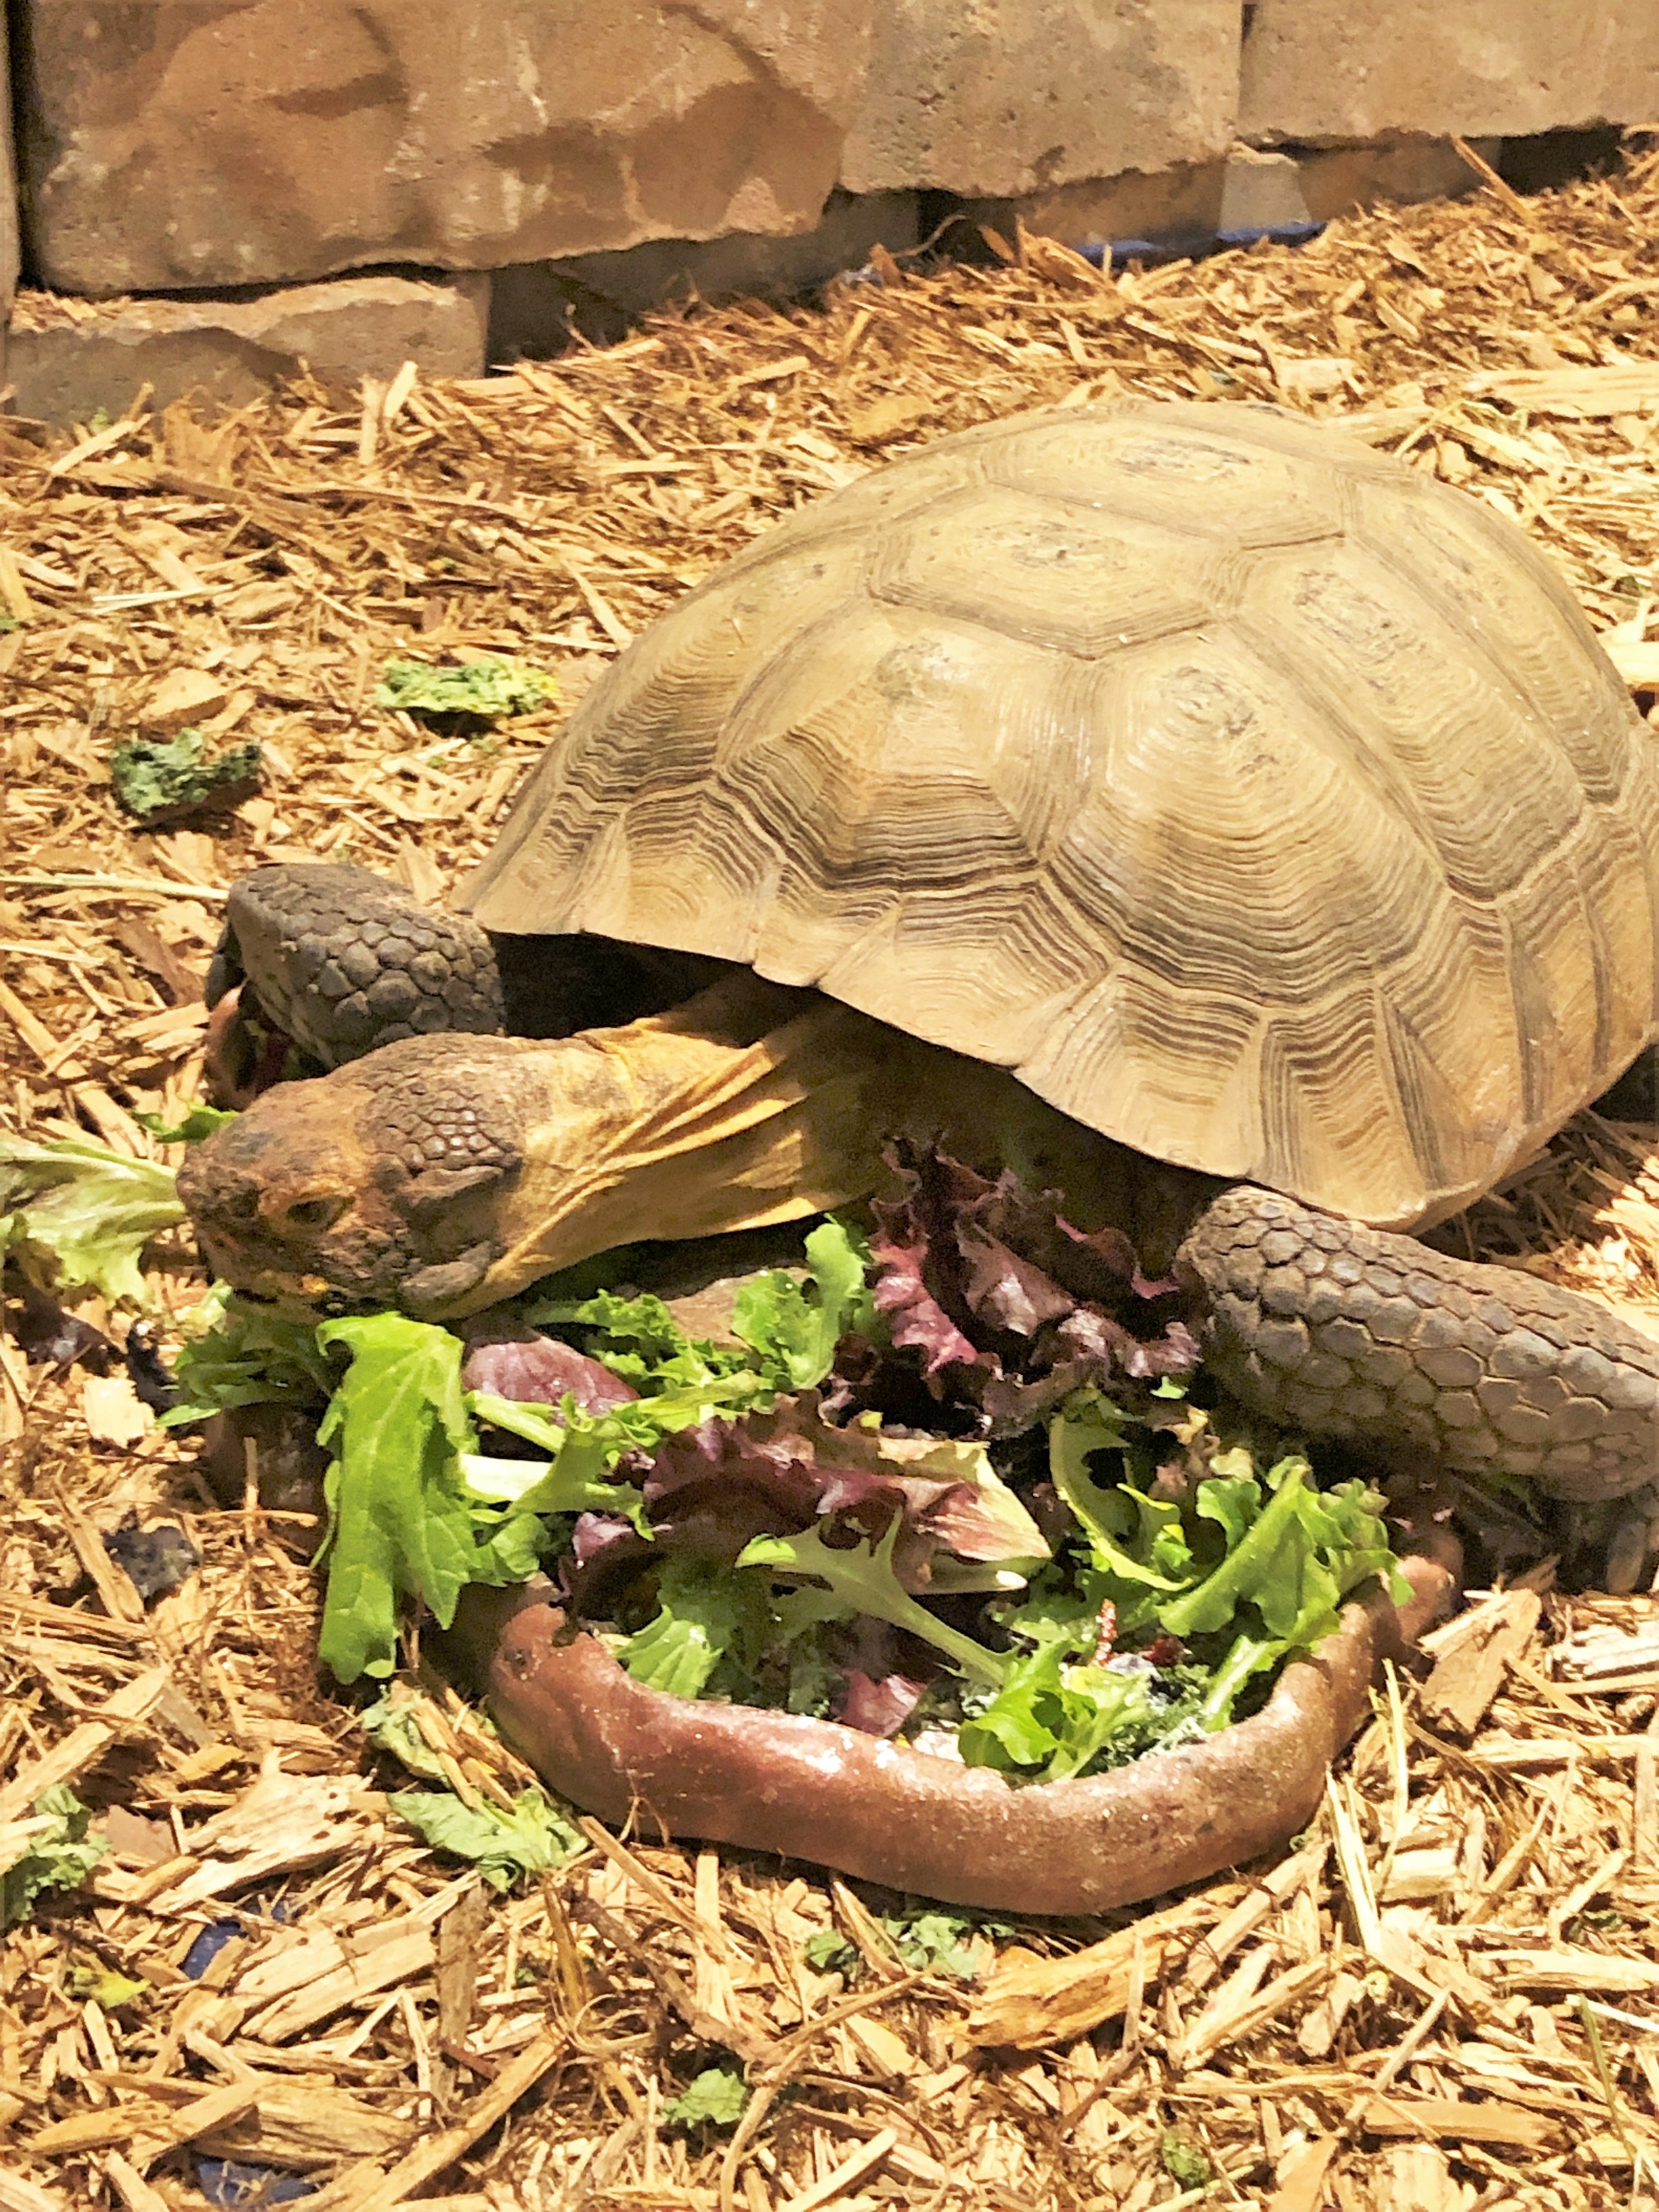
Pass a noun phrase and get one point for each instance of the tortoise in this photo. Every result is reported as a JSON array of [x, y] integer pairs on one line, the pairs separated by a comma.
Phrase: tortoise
[[1182, 803]]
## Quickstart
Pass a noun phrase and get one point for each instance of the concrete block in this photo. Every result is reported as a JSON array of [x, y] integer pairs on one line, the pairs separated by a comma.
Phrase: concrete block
[[1317, 71], [174, 143], [1005, 97], [1253, 189], [1175, 203], [537, 304], [1264, 191], [69, 358], [1336, 180]]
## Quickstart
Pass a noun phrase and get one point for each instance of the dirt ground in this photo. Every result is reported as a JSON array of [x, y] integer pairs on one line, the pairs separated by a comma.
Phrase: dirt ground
[[1442, 1996]]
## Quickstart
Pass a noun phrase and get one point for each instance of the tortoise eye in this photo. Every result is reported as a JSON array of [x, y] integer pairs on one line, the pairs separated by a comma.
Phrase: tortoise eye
[[315, 1212]]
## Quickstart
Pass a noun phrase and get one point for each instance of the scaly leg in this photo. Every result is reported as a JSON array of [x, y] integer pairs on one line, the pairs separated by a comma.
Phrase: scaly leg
[[1347, 1332]]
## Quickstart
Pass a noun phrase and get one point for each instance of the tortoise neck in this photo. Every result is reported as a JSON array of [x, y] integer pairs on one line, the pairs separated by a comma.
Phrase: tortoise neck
[[749, 1104], [752, 1104]]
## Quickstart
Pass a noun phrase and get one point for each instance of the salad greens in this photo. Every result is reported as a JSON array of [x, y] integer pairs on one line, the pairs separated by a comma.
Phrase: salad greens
[[717, 2098], [978, 1403], [534, 1836], [1187, 2166], [707, 1614], [534, 1839], [796, 1330], [790, 1329], [238, 1354], [487, 687], [416, 1509], [75, 1212], [197, 1122], [1255, 1568], [52, 1850], [163, 779], [860, 1579], [929, 1937], [402, 1520]]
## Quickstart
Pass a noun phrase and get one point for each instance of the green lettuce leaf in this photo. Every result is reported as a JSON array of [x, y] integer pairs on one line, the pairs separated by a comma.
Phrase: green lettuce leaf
[[640, 1339], [927, 1937], [1294, 1555], [163, 778], [108, 1990], [536, 1837], [583, 1448], [200, 1120], [487, 687], [796, 1330], [85, 1210], [717, 2098], [1186, 2165], [789, 1330], [1051, 1720], [389, 1726], [981, 1537], [709, 1615], [402, 1520], [239, 1354], [59, 1855], [862, 1580], [1253, 1568], [1137, 1546], [1245, 1656]]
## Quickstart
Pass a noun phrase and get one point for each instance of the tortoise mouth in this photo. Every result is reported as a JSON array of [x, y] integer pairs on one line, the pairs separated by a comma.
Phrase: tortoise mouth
[[329, 1305], [247, 1053], [286, 1283]]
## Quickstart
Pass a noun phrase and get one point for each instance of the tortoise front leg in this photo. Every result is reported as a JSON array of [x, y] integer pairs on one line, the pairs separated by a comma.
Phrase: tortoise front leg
[[1342, 1331], [342, 961]]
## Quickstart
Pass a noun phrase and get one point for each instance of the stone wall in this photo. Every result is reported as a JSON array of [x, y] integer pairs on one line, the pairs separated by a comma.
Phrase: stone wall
[[170, 144], [1000, 98], [608, 150]]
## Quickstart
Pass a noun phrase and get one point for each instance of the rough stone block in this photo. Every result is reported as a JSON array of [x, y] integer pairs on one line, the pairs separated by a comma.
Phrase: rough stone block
[[68, 358], [1266, 191], [1337, 178], [1003, 97], [1181, 203], [536, 305], [169, 144], [1251, 190], [1262, 191], [1322, 70]]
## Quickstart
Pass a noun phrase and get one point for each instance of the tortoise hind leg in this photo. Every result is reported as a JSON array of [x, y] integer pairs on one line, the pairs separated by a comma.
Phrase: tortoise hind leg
[[1344, 1331]]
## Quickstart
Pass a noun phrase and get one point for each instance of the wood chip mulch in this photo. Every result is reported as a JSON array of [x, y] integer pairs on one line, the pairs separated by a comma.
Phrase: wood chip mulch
[[1443, 1996]]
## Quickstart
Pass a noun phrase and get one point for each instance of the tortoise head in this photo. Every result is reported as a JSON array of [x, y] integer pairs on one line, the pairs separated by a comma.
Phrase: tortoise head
[[441, 1174], [379, 1185]]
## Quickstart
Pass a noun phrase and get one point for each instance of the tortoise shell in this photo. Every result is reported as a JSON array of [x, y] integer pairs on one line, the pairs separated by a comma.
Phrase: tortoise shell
[[1257, 800]]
